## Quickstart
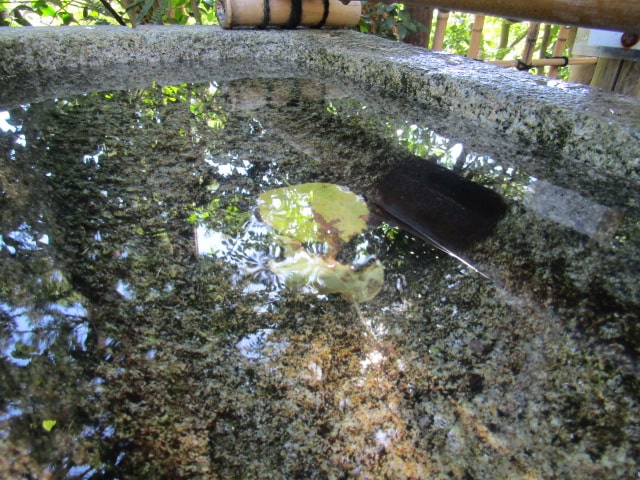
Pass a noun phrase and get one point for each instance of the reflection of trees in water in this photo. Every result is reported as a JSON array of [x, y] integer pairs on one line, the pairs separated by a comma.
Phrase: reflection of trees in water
[[147, 377], [93, 197], [112, 179]]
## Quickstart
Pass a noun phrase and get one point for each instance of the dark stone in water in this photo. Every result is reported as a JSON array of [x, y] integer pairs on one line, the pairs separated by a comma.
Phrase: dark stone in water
[[437, 205]]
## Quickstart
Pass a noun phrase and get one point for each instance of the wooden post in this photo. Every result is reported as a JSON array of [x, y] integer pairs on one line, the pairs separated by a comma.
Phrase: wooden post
[[476, 37], [578, 73], [505, 27], [558, 49], [530, 43], [620, 76], [606, 73], [544, 44], [441, 28], [581, 73], [424, 15], [629, 79]]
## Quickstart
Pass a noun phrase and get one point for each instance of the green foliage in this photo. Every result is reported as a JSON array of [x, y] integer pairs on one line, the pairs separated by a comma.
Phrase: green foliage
[[203, 213], [48, 424], [52, 12], [458, 34], [224, 211], [202, 103], [96, 12], [388, 21], [422, 142]]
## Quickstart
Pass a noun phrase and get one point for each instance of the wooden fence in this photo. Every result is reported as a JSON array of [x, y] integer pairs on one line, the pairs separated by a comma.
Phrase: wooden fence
[[526, 61], [620, 76]]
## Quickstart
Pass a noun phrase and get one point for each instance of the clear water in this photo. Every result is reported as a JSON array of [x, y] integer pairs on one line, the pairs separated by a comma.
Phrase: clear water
[[143, 335]]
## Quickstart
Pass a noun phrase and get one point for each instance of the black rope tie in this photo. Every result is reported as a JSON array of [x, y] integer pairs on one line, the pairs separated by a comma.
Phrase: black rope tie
[[296, 14], [266, 14], [520, 65], [325, 15], [523, 66]]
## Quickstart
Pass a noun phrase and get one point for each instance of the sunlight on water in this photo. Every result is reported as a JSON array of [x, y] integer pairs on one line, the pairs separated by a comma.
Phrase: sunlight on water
[[198, 281], [5, 126]]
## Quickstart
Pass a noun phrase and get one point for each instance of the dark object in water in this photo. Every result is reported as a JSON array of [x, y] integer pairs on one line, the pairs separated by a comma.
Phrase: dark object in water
[[437, 205]]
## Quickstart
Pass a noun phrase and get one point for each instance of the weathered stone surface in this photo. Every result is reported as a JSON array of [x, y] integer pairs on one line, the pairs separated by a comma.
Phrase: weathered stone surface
[[599, 129], [157, 361]]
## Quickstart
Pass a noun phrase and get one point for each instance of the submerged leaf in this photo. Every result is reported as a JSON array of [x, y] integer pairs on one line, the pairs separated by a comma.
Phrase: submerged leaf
[[320, 275], [319, 213], [314, 212]]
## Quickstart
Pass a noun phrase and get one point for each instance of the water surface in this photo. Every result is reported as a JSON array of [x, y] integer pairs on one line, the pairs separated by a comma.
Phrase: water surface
[[144, 336]]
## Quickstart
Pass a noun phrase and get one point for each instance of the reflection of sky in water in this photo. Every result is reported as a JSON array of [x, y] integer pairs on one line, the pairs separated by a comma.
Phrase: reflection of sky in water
[[249, 253], [33, 331], [23, 239], [85, 470], [125, 290], [257, 346], [211, 242], [229, 168], [5, 126], [11, 410], [95, 157], [256, 252]]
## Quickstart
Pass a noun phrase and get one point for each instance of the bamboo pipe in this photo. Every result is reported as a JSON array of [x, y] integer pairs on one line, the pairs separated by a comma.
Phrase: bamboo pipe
[[619, 15], [287, 13]]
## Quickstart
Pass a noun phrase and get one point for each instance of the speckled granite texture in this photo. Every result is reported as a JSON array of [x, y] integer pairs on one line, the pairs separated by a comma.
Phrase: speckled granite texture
[[601, 130], [158, 357]]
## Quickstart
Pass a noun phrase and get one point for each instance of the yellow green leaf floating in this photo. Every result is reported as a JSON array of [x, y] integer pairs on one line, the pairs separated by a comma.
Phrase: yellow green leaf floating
[[48, 424], [314, 212]]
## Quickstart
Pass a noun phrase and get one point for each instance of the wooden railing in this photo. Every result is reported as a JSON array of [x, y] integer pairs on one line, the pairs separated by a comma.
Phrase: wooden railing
[[525, 61]]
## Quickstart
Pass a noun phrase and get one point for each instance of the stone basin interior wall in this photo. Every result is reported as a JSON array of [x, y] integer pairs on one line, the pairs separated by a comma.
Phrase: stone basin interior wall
[[596, 129]]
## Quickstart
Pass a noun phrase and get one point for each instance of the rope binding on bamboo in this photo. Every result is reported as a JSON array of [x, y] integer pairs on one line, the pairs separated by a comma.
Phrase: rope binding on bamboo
[[288, 14]]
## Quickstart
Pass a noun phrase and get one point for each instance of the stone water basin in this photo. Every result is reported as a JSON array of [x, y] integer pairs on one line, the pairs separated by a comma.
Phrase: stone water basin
[[144, 334]]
